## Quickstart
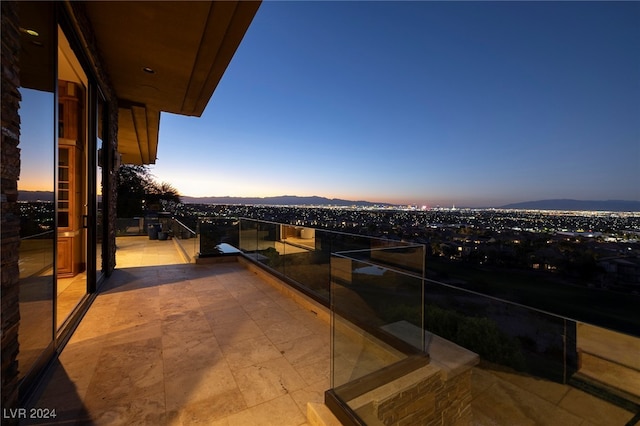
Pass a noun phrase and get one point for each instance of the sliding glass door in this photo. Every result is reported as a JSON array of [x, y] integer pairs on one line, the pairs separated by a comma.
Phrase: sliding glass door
[[36, 185]]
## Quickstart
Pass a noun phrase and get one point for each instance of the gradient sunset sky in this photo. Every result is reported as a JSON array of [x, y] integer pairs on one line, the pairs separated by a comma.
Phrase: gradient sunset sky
[[428, 103]]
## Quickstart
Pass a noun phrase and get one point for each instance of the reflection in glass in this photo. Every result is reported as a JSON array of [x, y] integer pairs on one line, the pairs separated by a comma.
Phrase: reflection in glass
[[37, 210], [73, 183], [376, 322], [99, 201]]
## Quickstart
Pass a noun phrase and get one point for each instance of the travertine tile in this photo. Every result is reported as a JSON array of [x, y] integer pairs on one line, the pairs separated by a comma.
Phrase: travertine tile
[[214, 409], [191, 320], [304, 351], [312, 321], [284, 331], [192, 386], [595, 410], [192, 353], [267, 380], [177, 304], [284, 302], [270, 315], [231, 333], [148, 410], [66, 398], [281, 411], [249, 352], [260, 302], [226, 314], [507, 404], [126, 371], [220, 297], [481, 380], [545, 389], [310, 393], [134, 333], [317, 371]]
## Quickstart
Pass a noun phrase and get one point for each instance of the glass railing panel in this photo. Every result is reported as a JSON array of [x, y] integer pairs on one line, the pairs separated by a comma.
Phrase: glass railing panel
[[186, 238], [406, 258], [377, 338], [214, 235], [270, 249], [548, 288], [334, 242], [303, 263], [248, 238], [501, 333], [376, 321], [301, 254], [36, 254], [130, 226]]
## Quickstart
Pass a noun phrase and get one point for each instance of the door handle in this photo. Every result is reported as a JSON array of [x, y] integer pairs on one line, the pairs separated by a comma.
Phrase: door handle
[[85, 221]]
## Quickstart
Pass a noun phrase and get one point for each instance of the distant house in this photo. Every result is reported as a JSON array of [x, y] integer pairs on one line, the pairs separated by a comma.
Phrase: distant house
[[622, 272]]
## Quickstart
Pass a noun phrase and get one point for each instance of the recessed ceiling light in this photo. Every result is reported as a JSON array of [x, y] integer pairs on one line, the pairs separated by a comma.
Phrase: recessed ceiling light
[[31, 32], [148, 70]]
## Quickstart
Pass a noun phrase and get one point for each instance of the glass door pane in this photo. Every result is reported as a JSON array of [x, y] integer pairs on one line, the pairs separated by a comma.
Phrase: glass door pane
[[101, 158], [36, 185], [72, 186]]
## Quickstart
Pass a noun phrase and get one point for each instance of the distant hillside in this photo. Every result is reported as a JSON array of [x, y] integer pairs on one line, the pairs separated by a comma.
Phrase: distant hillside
[[272, 201], [290, 200], [587, 205], [35, 196]]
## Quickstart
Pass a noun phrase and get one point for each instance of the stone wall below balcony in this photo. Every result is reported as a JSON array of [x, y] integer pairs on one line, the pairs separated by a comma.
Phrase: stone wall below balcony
[[426, 396]]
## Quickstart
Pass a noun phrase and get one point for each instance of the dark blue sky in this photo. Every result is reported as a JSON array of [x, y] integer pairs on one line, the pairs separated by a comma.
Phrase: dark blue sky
[[429, 103]]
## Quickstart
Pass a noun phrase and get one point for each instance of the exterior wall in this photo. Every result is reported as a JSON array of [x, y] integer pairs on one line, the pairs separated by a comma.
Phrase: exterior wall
[[10, 215]]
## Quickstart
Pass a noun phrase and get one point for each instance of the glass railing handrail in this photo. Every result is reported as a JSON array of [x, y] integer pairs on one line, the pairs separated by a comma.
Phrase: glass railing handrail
[[498, 299], [410, 245], [348, 234], [462, 290], [381, 265], [37, 235], [184, 226]]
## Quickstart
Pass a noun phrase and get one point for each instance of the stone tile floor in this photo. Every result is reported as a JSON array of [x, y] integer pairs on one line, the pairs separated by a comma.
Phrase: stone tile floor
[[181, 344], [169, 343], [507, 398]]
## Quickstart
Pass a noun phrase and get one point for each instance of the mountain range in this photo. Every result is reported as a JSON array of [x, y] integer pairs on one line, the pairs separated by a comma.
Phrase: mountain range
[[576, 205], [283, 200], [293, 200]]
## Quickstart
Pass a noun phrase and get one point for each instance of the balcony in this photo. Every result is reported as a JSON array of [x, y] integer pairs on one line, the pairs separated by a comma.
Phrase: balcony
[[228, 342]]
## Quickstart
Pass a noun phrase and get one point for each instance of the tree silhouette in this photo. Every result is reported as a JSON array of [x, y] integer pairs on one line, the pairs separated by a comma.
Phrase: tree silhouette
[[131, 189], [161, 196], [138, 192]]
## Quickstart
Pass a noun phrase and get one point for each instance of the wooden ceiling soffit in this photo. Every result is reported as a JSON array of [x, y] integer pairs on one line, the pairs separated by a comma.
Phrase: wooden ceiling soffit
[[226, 26], [138, 133]]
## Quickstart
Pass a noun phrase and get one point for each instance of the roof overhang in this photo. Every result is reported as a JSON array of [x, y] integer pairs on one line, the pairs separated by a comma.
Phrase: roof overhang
[[164, 56]]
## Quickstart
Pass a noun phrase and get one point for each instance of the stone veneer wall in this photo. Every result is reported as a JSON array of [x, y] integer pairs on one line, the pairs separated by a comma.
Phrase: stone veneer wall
[[10, 214], [10, 172], [433, 401]]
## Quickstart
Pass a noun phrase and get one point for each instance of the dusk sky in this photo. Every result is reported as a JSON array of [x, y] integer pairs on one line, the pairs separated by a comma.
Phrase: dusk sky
[[428, 103]]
